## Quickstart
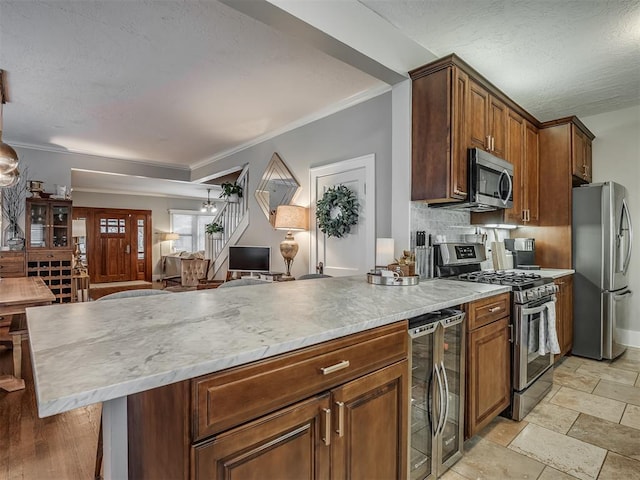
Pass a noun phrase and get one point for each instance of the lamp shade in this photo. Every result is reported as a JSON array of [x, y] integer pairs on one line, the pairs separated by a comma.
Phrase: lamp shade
[[384, 251], [292, 217], [169, 236], [79, 228]]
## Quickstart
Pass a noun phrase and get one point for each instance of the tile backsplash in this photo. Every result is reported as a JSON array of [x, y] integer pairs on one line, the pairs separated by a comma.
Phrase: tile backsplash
[[453, 224]]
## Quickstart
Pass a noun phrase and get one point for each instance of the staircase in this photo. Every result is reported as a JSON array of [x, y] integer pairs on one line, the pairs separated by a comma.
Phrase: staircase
[[234, 217]]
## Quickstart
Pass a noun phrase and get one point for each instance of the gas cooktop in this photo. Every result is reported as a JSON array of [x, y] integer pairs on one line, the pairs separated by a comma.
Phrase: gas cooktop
[[516, 280]]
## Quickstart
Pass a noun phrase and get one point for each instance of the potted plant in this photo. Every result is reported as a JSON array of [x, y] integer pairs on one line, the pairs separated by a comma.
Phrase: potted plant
[[214, 229], [231, 191]]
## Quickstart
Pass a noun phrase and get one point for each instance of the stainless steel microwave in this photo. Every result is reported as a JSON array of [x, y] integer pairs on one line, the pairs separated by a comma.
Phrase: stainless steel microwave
[[490, 184]]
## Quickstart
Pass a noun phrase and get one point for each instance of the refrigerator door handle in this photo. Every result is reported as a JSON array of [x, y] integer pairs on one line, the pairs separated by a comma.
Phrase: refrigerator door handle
[[627, 260], [618, 296]]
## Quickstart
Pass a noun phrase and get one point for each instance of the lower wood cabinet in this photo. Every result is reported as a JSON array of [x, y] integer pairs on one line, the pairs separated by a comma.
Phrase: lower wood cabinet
[[488, 382], [349, 419], [353, 431], [564, 314], [288, 444]]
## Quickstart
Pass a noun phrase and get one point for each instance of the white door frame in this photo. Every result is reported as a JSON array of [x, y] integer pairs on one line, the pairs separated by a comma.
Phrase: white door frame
[[368, 162]]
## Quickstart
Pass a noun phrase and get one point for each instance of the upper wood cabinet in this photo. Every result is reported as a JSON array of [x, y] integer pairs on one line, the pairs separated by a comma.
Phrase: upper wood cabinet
[[531, 172], [487, 121], [565, 147], [580, 156], [439, 135], [454, 108]]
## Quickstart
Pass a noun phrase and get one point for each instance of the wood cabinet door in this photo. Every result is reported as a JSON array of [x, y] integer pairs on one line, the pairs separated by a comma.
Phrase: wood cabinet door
[[577, 152], [497, 123], [588, 162], [515, 156], [488, 374], [477, 127], [459, 142], [290, 444], [532, 173], [370, 426], [564, 313]]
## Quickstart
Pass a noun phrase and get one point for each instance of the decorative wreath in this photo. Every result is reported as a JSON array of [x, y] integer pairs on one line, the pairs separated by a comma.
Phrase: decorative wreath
[[337, 211]]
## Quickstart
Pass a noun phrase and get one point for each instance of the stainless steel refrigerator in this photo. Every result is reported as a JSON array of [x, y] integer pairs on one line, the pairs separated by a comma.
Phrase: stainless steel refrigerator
[[602, 244]]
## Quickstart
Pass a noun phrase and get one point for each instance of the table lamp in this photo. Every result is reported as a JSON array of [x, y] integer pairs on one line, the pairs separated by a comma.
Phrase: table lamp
[[290, 218], [78, 229], [384, 252]]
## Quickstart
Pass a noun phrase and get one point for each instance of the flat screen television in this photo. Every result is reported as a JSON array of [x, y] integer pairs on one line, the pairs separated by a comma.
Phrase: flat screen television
[[249, 259]]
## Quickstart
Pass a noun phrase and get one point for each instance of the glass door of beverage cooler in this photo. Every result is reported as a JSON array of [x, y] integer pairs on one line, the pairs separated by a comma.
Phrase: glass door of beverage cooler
[[424, 413], [451, 365]]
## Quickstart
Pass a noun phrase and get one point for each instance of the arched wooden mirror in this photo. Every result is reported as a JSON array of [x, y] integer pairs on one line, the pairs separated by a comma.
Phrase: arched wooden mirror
[[278, 186]]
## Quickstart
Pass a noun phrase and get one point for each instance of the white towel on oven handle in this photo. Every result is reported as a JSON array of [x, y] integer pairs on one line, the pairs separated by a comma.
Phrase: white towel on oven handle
[[548, 336]]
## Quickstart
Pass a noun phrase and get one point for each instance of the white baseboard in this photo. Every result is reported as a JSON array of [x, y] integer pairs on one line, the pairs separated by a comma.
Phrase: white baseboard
[[630, 338]]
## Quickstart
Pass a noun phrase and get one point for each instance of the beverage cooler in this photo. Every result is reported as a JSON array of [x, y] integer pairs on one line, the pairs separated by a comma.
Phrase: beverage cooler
[[437, 392]]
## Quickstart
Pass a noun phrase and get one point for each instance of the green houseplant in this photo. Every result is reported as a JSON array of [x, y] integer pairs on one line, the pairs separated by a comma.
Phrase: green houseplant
[[231, 191], [214, 229]]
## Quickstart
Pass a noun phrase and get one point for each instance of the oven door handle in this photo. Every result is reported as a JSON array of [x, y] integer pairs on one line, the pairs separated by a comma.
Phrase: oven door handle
[[532, 311]]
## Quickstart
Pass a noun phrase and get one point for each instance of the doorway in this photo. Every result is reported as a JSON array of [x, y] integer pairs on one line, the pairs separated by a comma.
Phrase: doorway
[[118, 243], [353, 254]]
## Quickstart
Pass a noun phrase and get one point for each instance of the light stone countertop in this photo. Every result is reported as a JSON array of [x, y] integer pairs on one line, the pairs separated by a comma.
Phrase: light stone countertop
[[85, 353]]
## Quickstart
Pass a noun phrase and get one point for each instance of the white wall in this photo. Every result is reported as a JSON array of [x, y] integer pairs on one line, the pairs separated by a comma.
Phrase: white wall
[[356, 131], [616, 157]]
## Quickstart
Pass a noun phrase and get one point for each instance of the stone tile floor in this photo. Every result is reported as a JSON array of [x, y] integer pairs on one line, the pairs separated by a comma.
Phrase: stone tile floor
[[588, 427]]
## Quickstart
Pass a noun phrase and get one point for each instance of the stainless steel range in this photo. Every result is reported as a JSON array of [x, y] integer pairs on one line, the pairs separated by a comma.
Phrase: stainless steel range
[[531, 296]]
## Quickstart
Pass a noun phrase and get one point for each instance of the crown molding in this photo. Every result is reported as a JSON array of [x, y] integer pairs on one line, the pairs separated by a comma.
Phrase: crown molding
[[335, 108]]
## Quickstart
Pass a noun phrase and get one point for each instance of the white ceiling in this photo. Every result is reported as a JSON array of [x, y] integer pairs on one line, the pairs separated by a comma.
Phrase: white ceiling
[[185, 82]]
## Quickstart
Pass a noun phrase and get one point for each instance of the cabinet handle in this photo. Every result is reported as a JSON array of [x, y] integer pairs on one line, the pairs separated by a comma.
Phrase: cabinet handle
[[488, 143], [326, 434], [459, 192], [495, 309], [493, 144], [340, 429], [510, 333], [334, 368]]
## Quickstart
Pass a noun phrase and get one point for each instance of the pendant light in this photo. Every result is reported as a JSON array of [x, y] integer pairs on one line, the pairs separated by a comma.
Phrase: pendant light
[[209, 206], [8, 156]]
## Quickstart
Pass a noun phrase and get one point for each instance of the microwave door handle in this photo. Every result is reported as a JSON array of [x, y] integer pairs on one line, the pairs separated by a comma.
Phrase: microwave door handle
[[502, 176], [627, 260]]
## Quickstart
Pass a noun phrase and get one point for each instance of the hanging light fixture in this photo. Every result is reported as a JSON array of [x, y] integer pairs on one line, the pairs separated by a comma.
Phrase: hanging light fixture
[[8, 156], [209, 206]]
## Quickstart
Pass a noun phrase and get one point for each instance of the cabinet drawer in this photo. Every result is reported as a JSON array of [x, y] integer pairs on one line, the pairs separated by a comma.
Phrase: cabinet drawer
[[225, 399], [13, 268], [487, 310], [49, 255]]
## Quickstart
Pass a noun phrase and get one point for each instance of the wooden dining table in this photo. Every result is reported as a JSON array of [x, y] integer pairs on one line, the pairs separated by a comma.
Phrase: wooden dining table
[[16, 295]]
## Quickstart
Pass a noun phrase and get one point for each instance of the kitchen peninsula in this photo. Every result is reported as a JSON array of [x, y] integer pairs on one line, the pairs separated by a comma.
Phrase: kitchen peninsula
[[106, 351]]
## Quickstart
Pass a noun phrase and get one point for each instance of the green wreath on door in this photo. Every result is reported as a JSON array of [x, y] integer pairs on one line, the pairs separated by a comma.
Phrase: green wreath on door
[[337, 211]]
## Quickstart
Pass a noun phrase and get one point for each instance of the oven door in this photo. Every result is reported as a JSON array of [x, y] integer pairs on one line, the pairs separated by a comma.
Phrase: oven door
[[528, 364], [491, 179]]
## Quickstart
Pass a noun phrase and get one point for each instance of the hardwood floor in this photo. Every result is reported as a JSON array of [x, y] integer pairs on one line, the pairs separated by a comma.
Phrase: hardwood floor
[[62, 447]]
